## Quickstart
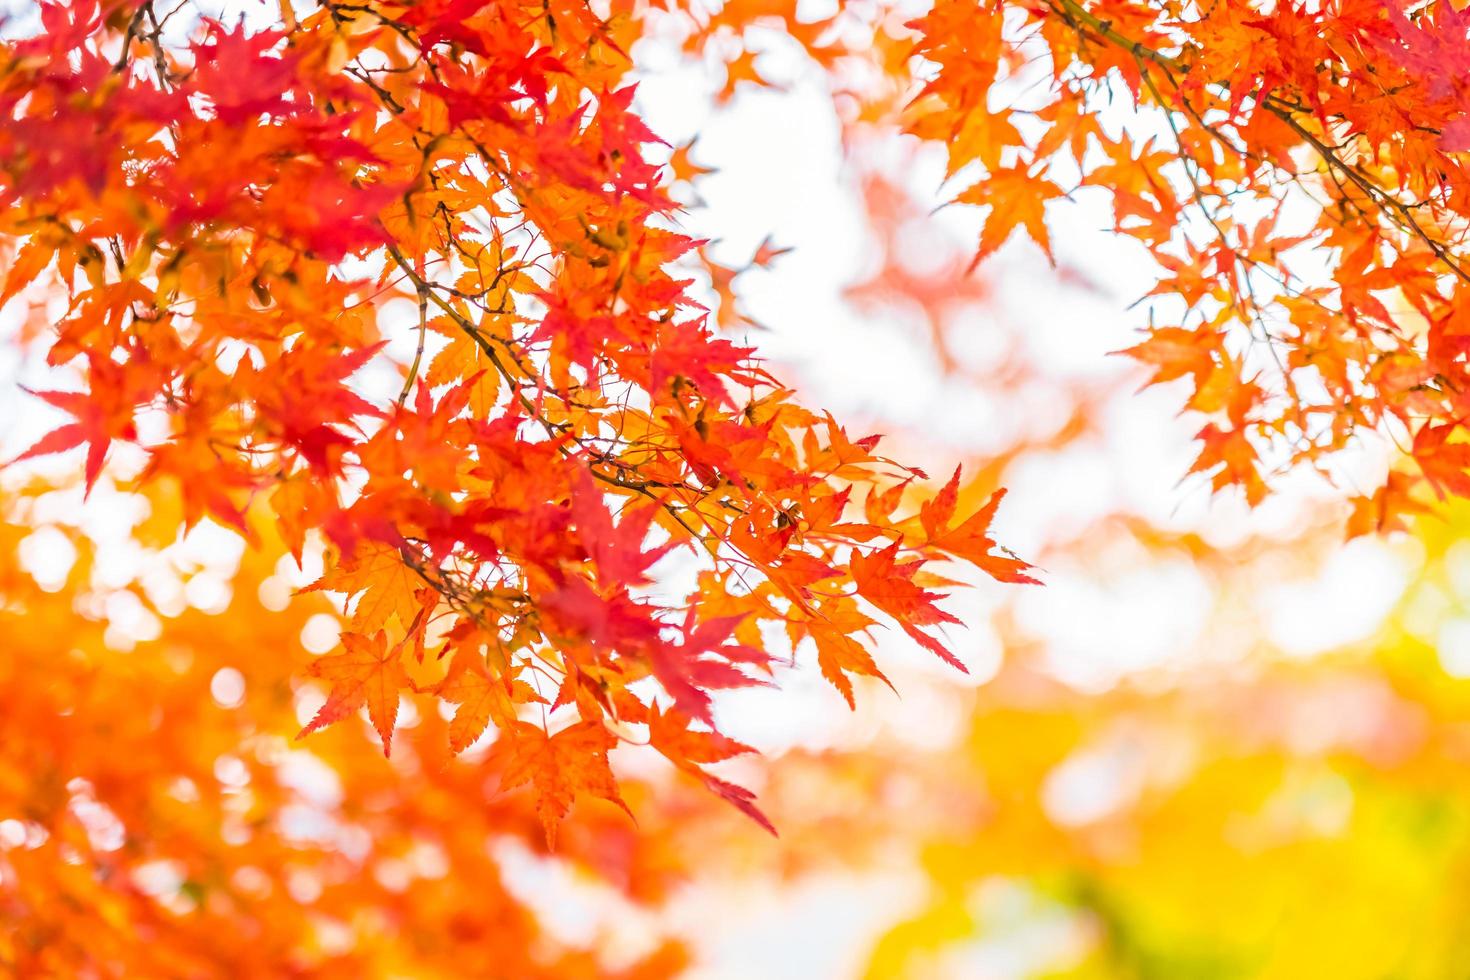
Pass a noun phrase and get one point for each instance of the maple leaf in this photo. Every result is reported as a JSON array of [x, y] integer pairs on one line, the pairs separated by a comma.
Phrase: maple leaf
[[616, 551], [309, 398], [26, 266], [1386, 509], [839, 655], [879, 507], [709, 660], [1443, 462], [202, 487], [93, 428], [1230, 457], [559, 768], [367, 672], [383, 579], [982, 136], [682, 166], [969, 539], [585, 398], [686, 353], [481, 697], [238, 75], [889, 585], [1016, 199], [767, 253], [1175, 352], [691, 751]]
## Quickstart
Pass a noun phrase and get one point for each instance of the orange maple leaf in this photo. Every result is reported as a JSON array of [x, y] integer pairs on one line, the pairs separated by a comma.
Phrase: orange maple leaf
[[889, 585], [669, 733], [559, 768], [839, 655], [1174, 352], [480, 698], [1016, 199], [969, 540], [367, 672]]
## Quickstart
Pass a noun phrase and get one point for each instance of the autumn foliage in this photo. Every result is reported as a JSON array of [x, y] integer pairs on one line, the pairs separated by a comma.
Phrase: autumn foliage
[[401, 290], [567, 419], [1296, 173]]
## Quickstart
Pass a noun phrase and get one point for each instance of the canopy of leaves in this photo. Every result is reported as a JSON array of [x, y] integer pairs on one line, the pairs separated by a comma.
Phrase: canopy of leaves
[[1296, 171], [404, 285], [230, 215]]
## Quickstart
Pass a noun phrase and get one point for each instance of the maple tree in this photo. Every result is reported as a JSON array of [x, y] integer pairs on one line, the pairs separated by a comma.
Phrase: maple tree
[[403, 283], [567, 418], [1292, 169], [160, 820], [1295, 172]]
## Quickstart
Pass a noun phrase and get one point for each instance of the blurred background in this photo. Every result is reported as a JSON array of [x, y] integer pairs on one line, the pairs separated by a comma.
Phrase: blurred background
[[1219, 742]]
